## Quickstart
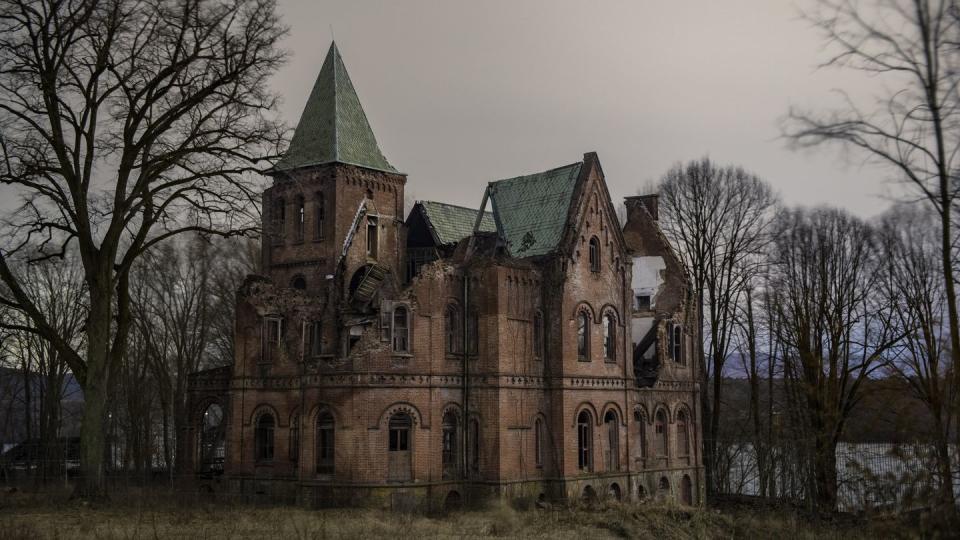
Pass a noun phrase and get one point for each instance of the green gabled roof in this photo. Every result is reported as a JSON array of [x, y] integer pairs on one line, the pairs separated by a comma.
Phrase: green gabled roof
[[333, 126], [453, 223], [531, 211]]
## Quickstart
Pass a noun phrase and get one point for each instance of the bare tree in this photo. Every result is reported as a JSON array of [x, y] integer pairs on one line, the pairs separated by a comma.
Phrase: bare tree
[[124, 123], [835, 333], [716, 217], [911, 48], [56, 288], [912, 283]]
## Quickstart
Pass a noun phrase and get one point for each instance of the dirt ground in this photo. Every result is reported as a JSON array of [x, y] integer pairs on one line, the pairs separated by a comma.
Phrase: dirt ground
[[164, 514]]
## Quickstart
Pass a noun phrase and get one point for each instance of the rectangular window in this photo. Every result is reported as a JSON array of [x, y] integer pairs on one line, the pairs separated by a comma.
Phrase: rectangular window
[[272, 338], [294, 446], [316, 339], [643, 302], [372, 237], [678, 344], [399, 439], [318, 218], [473, 333], [401, 330]]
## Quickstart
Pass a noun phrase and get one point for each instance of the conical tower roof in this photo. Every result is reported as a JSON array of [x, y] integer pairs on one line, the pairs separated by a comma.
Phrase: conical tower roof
[[333, 126]]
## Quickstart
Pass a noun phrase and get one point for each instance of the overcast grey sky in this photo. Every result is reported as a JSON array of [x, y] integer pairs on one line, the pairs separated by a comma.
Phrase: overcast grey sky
[[461, 93]]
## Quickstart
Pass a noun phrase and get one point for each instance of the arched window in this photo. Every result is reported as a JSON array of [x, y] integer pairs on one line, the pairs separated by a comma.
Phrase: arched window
[[583, 336], [664, 487], [676, 343], [609, 337], [474, 444], [298, 282], [584, 441], [683, 435], [450, 450], [293, 446], [318, 216], [538, 335], [326, 443], [399, 460], [301, 218], [594, 254], [660, 423], [263, 437], [454, 340], [401, 330], [613, 441], [538, 442], [279, 219], [212, 439]]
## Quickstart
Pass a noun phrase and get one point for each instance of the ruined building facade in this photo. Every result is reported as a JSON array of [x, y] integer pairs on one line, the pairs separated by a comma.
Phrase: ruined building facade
[[534, 348]]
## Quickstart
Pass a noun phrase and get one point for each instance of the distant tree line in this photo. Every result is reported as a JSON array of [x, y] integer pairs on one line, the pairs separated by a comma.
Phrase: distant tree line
[[182, 300], [815, 301]]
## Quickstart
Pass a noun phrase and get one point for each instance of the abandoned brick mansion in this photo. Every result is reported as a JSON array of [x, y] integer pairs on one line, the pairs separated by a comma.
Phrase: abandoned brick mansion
[[532, 348]]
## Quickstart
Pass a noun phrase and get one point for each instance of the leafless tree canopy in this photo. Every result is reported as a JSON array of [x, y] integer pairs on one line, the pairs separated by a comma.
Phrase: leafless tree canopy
[[717, 217], [124, 123]]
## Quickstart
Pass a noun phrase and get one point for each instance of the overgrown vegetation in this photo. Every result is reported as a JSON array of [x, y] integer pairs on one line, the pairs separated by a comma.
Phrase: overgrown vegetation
[[152, 514]]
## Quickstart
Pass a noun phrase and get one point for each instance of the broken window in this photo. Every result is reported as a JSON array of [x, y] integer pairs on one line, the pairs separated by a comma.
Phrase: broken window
[[583, 336], [325, 443], [594, 254], [401, 330], [584, 441], [643, 302], [609, 337], [263, 437], [372, 236]]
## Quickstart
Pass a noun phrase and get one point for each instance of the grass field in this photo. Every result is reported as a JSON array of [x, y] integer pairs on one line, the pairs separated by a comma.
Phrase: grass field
[[136, 515]]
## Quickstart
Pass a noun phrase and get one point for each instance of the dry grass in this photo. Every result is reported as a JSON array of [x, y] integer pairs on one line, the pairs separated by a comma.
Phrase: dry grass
[[52, 515]]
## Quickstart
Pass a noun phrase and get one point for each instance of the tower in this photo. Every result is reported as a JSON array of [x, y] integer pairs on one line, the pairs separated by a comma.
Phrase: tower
[[336, 203]]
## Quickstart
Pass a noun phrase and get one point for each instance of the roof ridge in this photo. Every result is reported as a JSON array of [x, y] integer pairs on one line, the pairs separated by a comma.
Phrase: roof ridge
[[530, 175], [453, 205]]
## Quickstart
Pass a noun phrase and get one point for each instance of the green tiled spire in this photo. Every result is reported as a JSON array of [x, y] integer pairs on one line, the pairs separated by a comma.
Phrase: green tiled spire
[[333, 126]]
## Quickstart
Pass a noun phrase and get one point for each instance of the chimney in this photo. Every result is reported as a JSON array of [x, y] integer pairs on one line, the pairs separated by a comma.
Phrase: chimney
[[648, 202]]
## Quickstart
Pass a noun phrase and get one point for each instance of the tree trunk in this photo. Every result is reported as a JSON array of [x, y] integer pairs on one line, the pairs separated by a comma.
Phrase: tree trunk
[[825, 467], [96, 387]]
